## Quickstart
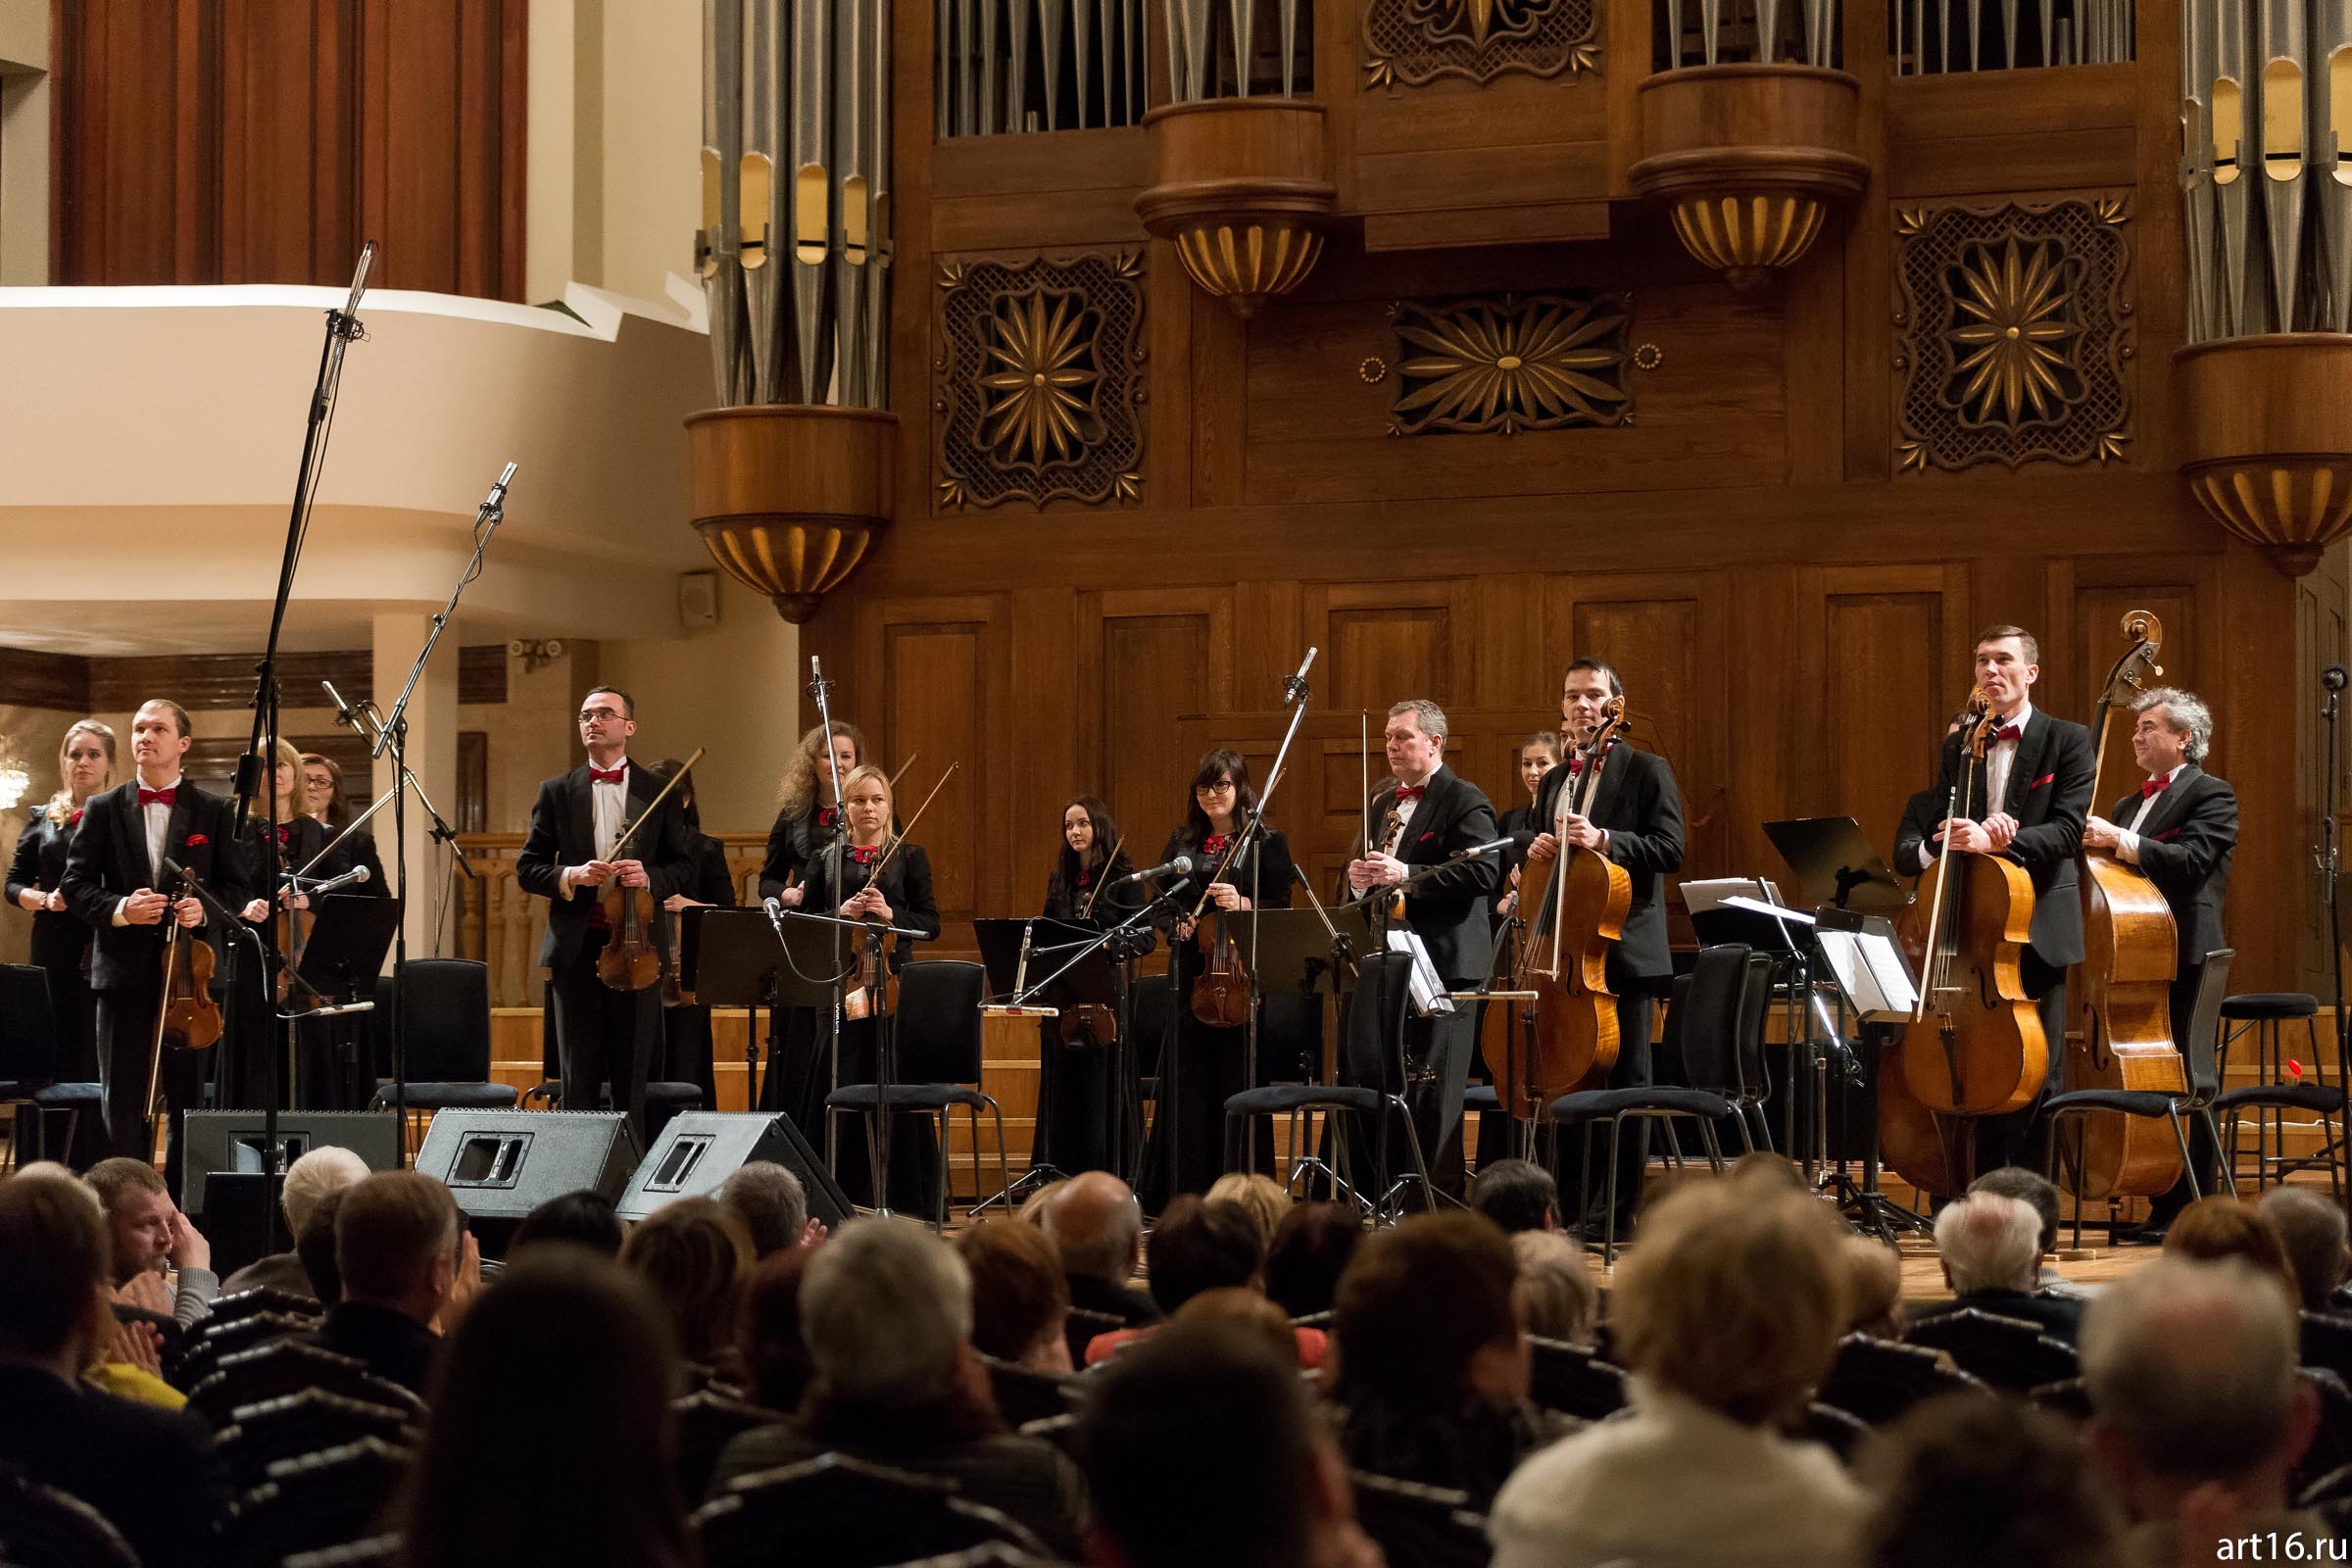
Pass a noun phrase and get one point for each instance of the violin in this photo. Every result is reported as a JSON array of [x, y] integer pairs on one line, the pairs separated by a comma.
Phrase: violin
[[1090, 1023], [1221, 991], [872, 992], [188, 1018], [1567, 1036], [633, 958]]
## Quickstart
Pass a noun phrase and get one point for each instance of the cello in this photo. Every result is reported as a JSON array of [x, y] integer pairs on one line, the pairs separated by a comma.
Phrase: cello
[[1567, 1035], [2123, 1037]]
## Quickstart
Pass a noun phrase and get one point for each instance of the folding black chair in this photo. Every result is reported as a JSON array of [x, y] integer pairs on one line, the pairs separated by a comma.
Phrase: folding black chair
[[1420, 1527], [1876, 1381], [41, 1527], [847, 1513], [938, 1062], [1573, 1380], [2011, 1353]]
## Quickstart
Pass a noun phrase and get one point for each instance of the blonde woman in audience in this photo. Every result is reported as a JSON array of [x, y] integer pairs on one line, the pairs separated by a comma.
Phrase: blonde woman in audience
[[1556, 1294], [696, 1254], [1727, 1313], [1262, 1195]]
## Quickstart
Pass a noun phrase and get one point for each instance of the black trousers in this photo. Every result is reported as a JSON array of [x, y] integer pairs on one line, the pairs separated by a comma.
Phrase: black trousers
[[603, 1035], [74, 1007], [1440, 1050], [1073, 1104], [126, 1048]]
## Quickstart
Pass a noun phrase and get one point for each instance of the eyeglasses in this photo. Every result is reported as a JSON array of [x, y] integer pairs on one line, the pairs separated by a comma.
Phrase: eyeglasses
[[1221, 787], [588, 713]]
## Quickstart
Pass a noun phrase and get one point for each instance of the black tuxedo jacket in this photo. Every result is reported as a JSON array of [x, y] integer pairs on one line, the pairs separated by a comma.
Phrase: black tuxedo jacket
[[2050, 781], [108, 860], [1454, 910], [790, 844], [1640, 809], [2185, 842], [563, 833], [1068, 900], [59, 939]]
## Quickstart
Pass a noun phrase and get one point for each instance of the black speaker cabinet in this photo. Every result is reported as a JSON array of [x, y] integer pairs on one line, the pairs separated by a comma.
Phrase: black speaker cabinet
[[504, 1163], [700, 1149], [235, 1142]]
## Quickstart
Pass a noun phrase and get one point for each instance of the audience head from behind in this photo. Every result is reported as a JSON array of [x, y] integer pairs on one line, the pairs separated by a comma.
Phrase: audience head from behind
[[1558, 1296], [323, 1170], [773, 1204], [1238, 1303], [2214, 1229], [1021, 1300], [1200, 1246], [1262, 1195], [886, 1311], [1963, 1481], [1425, 1317], [1261, 1485], [694, 1254], [1096, 1224], [1988, 1243], [2311, 1229], [1874, 1284], [139, 1213], [585, 1218], [2190, 1368], [398, 1243], [315, 1246], [2030, 1188], [1517, 1195], [57, 1265], [1310, 1252], [769, 1341], [588, 1430]]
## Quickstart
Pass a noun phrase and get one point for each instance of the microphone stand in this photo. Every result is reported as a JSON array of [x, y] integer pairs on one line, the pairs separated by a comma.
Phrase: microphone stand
[[1294, 697], [836, 846], [2332, 679], [233, 927]]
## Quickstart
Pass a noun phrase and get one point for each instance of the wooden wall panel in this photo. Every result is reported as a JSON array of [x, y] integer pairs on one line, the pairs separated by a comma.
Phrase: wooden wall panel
[[1151, 659], [1893, 647]]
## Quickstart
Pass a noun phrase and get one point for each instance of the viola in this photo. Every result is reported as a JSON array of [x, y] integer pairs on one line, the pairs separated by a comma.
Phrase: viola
[[1221, 991], [1090, 1023], [873, 988], [633, 958]]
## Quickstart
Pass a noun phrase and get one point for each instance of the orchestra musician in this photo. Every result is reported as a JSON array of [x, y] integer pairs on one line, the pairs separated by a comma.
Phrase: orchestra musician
[[254, 1030], [322, 798], [570, 858], [1205, 1065], [2032, 803], [61, 943], [1422, 817], [686, 1042], [1539, 754], [879, 878], [1074, 1086], [2180, 828], [1636, 820], [112, 881], [797, 1080]]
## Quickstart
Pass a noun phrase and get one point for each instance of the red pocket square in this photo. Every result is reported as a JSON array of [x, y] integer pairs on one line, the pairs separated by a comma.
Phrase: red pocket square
[[195, 839], [2167, 835], [2045, 779], [1430, 834]]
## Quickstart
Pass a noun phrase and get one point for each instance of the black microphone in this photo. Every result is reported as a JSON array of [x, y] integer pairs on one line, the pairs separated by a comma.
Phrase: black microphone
[[1180, 866], [2335, 677], [1487, 848], [1295, 686], [497, 498]]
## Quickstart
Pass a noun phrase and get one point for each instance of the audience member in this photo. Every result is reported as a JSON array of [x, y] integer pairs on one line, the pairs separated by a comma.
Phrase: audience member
[[2197, 1411], [1310, 1252], [1727, 1312], [1197, 1246], [695, 1254], [1990, 1248], [1431, 1372], [773, 1207], [1098, 1228], [1020, 1301], [1238, 1303], [315, 1244], [2213, 1228], [2311, 1229], [151, 1472], [583, 1218], [150, 1234], [1033, 1208], [1517, 1195], [2034, 1188], [1558, 1296], [323, 1170], [1264, 1196], [1874, 1284], [556, 1384], [886, 1308], [404, 1258], [774, 1355], [1199, 1447], [1965, 1480]]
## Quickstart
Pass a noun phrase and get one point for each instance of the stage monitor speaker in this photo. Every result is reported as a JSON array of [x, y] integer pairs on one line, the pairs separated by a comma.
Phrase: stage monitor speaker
[[700, 1149], [234, 1141], [504, 1163]]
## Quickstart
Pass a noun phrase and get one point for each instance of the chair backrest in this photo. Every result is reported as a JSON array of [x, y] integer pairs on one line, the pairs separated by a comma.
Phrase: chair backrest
[[316, 1500], [2328, 1342], [1878, 1379], [706, 1421], [1062, 1431], [261, 1299], [445, 1016], [2008, 1353], [289, 1366], [376, 1552], [259, 1436], [939, 1021], [28, 1037], [1574, 1381], [41, 1527], [1023, 1394], [2332, 1443], [1838, 1431], [847, 1513], [1712, 1013], [1377, 1010], [1420, 1527], [2201, 1052], [2070, 1398], [1666, 1056], [994, 1554], [2335, 1487], [1755, 1005], [1083, 1324], [211, 1343]]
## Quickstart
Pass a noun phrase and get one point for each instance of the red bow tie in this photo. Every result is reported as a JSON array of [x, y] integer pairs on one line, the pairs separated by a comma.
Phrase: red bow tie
[[165, 798], [2154, 786], [1408, 794], [865, 854], [609, 775], [2007, 732], [1576, 765]]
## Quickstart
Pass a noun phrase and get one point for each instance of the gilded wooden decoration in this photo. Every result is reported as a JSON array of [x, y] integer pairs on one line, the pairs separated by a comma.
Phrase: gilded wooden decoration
[[1412, 42], [2017, 333], [1039, 381], [1501, 365]]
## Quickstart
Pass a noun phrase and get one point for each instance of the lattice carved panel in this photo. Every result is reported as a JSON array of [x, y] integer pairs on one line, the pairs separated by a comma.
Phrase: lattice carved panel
[[1502, 364], [1411, 43], [2016, 333], [1039, 380]]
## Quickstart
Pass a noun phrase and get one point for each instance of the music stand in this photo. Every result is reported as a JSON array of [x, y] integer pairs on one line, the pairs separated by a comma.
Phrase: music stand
[[1873, 956], [347, 945], [1835, 863], [1036, 964], [729, 959]]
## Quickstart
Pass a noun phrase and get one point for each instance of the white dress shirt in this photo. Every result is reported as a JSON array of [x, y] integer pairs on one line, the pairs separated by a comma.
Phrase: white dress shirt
[[1394, 839], [2126, 844], [156, 818], [607, 813], [2000, 758]]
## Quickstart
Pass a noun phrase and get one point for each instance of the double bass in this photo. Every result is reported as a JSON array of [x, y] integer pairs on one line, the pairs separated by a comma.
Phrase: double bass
[[1567, 1035], [2123, 1034]]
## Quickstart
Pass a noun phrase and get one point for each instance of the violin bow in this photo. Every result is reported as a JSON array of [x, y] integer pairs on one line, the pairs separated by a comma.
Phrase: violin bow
[[902, 772], [676, 779], [901, 837], [1088, 913]]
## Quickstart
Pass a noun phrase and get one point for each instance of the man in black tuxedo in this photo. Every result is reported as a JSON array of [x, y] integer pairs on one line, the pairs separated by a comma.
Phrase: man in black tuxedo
[[570, 854], [1635, 819], [113, 871], [2032, 799], [2180, 828], [1422, 817]]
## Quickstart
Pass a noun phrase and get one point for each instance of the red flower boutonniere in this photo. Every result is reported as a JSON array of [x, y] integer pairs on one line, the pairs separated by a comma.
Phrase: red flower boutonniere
[[195, 839]]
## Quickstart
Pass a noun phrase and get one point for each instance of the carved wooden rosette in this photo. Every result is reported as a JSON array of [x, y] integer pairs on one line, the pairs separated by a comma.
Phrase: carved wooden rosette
[[1411, 43], [1242, 186], [2266, 439], [788, 496], [1750, 159]]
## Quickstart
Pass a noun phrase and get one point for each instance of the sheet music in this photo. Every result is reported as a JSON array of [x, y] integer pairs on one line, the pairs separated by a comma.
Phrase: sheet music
[[1701, 897], [1872, 973], [1773, 911], [1428, 996], [1892, 974]]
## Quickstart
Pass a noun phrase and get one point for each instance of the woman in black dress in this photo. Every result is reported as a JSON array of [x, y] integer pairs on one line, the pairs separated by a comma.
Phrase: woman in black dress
[[259, 1036], [686, 1046], [322, 798], [1208, 1064], [1073, 1090], [1539, 753], [85, 765], [878, 876], [795, 1081]]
